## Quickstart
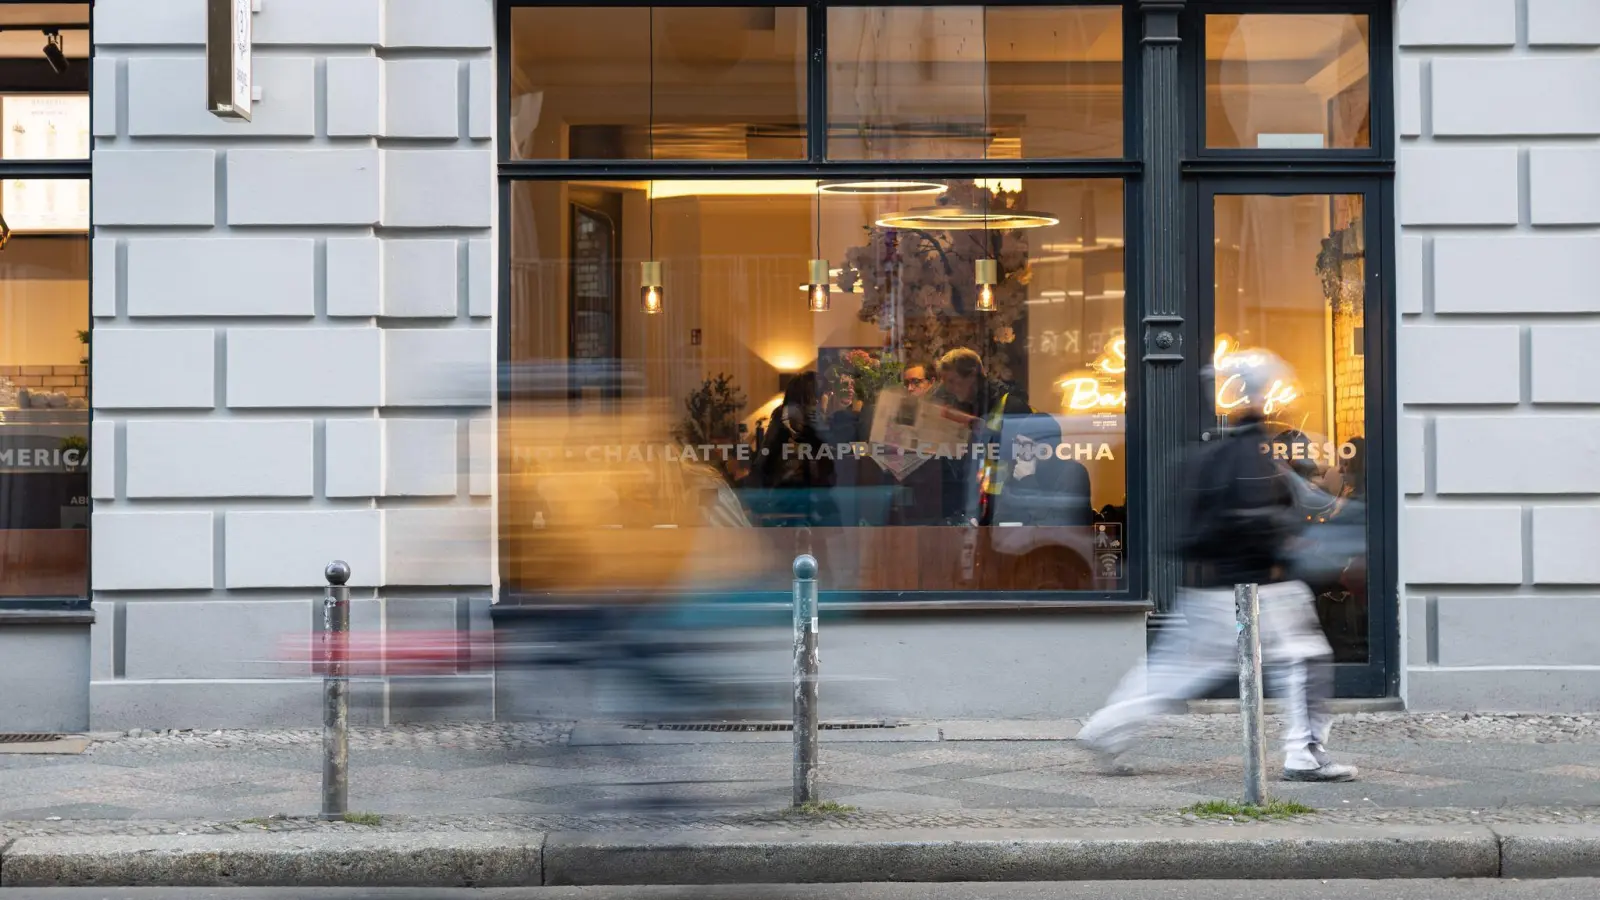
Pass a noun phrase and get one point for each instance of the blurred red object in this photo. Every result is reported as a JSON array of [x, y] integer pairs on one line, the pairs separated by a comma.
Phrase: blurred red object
[[397, 653]]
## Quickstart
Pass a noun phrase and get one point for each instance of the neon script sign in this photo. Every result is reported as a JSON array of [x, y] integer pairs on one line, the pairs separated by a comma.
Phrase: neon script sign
[[1103, 393]]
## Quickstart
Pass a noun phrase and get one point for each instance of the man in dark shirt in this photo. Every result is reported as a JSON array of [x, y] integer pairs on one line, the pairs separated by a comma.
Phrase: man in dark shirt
[[971, 483], [1239, 527]]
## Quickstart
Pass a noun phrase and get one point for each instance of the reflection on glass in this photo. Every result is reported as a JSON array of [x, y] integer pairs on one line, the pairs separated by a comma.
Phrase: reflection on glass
[[44, 417], [672, 83], [1291, 278], [1288, 82], [909, 82], [926, 445]]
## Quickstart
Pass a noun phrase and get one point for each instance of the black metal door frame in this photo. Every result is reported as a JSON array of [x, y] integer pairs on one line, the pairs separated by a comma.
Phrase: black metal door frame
[[1379, 675]]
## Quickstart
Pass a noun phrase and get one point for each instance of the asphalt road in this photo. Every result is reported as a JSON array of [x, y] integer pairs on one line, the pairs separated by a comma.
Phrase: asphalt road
[[1576, 889]]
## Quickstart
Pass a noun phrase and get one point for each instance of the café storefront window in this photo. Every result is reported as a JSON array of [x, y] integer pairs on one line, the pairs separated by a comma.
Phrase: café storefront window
[[1006, 470], [931, 245], [44, 304], [895, 348]]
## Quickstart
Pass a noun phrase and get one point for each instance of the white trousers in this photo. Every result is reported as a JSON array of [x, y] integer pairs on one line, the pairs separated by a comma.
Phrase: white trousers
[[1188, 661]]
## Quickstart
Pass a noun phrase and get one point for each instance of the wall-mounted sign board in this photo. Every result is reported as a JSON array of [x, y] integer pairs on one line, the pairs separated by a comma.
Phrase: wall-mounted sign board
[[229, 84]]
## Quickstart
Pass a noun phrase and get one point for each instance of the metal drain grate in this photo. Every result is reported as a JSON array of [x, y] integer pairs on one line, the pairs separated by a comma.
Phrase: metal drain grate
[[29, 738], [755, 726]]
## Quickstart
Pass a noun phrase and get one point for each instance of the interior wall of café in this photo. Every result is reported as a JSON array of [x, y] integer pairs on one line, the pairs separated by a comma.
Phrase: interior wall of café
[[44, 301]]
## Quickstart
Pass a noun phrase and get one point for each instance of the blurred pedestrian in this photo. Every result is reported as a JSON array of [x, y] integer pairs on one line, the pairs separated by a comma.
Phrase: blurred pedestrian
[[1240, 526]]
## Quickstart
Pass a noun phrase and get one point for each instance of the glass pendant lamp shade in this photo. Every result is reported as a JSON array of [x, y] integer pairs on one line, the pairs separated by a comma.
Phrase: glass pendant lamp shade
[[987, 271], [819, 296], [650, 293]]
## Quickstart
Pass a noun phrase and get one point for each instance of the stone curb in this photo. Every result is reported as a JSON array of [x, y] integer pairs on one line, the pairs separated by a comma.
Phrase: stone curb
[[439, 859], [1244, 852], [823, 855], [1549, 851]]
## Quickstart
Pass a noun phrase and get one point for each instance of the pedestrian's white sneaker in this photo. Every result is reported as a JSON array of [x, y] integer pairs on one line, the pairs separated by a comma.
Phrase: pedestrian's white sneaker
[[1331, 772], [1312, 763], [1107, 754]]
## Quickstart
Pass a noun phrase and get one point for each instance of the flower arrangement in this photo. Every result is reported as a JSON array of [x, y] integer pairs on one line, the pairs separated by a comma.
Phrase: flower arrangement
[[861, 374], [922, 285]]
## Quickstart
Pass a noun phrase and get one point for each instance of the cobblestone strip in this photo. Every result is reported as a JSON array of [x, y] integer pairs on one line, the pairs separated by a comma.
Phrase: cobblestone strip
[[515, 735], [854, 821], [463, 736]]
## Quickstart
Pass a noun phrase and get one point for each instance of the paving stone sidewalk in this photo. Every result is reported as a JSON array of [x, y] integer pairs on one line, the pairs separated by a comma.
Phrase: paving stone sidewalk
[[1416, 769]]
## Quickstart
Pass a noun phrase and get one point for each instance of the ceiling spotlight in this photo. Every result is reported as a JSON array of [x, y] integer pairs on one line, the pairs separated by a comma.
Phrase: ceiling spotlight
[[54, 54]]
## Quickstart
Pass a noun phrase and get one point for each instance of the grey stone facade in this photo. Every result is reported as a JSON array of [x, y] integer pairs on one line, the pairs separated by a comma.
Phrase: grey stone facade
[[294, 339], [1499, 441], [293, 347]]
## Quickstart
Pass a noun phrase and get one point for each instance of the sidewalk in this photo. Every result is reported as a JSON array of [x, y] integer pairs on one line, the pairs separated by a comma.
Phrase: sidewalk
[[1457, 784]]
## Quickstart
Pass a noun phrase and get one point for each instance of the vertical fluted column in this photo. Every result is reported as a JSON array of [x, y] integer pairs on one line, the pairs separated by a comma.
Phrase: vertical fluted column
[[1166, 397]]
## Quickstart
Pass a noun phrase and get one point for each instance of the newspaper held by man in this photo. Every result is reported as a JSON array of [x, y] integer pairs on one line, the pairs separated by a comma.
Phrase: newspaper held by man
[[910, 430]]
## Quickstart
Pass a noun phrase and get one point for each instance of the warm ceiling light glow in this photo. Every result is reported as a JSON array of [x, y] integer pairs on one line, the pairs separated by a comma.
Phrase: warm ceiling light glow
[[667, 190], [881, 188], [951, 218]]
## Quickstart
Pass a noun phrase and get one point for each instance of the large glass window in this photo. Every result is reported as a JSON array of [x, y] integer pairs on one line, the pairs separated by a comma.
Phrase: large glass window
[[1288, 82], [816, 405], [1291, 278], [665, 83], [44, 304], [974, 82]]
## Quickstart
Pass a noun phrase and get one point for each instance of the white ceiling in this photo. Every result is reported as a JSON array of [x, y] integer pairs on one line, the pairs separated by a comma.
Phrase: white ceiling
[[24, 44]]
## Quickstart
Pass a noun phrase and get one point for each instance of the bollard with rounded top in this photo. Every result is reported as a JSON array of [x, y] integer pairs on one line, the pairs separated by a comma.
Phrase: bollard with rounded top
[[335, 692], [805, 567], [805, 679], [337, 573]]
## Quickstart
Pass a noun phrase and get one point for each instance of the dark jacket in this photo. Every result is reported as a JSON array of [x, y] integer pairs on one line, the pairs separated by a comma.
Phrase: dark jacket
[[1239, 512], [783, 464]]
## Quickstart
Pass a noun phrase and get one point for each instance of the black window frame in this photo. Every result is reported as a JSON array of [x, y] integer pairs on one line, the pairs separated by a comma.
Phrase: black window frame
[[1195, 164], [1128, 168], [1368, 171], [1380, 68], [37, 79]]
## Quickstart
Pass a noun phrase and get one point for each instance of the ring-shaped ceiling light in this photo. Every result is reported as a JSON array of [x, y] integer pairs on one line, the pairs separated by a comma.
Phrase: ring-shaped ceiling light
[[881, 188], [954, 218]]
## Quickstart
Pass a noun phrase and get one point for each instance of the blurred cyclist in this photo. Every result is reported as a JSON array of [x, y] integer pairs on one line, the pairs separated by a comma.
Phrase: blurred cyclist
[[1239, 527]]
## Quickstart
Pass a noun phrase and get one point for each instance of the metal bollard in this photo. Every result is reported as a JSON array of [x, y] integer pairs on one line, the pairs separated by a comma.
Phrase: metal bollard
[[1247, 606], [805, 679], [336, 692]]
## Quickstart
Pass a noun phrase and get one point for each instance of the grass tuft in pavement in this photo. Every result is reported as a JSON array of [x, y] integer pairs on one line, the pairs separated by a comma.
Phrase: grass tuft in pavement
[[361, 818], [1228, 809], [820, 808]]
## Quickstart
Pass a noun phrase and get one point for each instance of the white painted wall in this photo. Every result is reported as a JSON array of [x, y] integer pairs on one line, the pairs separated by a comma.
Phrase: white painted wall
[[1499, 352], [294, 344]]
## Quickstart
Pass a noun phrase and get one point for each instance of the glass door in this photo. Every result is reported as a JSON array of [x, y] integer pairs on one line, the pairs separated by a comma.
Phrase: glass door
[[1290, 273]]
